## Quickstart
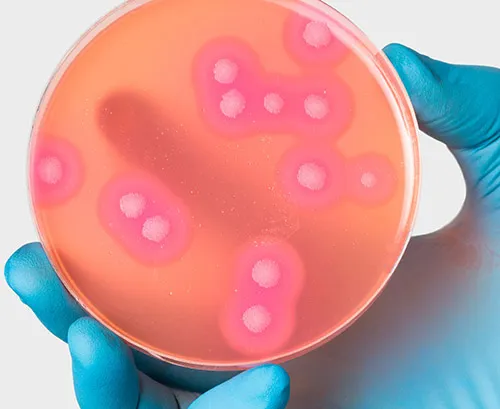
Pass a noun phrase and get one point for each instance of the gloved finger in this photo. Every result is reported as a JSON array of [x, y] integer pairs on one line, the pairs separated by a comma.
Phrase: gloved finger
[[265, 387], [458, 105], [30, 275], [105, 375]]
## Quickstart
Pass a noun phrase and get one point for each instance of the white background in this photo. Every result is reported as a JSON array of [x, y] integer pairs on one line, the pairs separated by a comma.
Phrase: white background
[[34, 36]]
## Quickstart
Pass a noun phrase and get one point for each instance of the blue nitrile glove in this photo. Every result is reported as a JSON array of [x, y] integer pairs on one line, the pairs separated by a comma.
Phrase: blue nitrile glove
[[105, 370], [431, 341]]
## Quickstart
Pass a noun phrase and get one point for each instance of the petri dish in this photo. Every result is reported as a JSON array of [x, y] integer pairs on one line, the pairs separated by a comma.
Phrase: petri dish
[[224, 183]]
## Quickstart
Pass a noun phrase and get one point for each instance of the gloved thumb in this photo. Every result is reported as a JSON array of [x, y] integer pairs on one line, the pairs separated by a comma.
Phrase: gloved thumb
[[458, 105]]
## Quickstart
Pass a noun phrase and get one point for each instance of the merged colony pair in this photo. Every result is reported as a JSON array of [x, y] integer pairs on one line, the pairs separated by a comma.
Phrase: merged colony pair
[[224, 183]]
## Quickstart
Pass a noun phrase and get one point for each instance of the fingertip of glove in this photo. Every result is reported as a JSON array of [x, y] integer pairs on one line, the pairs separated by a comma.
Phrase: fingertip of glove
[[87, 340], [269, 383], [80, 340], [20, 269], [267, 376], [408, 63]]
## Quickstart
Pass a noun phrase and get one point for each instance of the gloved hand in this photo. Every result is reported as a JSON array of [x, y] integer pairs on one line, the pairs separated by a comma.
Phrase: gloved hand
[[105, 370], [430, 341]]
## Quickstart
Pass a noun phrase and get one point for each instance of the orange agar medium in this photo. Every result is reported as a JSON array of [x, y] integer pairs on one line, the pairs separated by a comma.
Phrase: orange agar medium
[[224, 183]]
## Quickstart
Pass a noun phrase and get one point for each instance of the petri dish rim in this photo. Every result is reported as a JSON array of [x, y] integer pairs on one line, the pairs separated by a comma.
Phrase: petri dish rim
[[403, 112]]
